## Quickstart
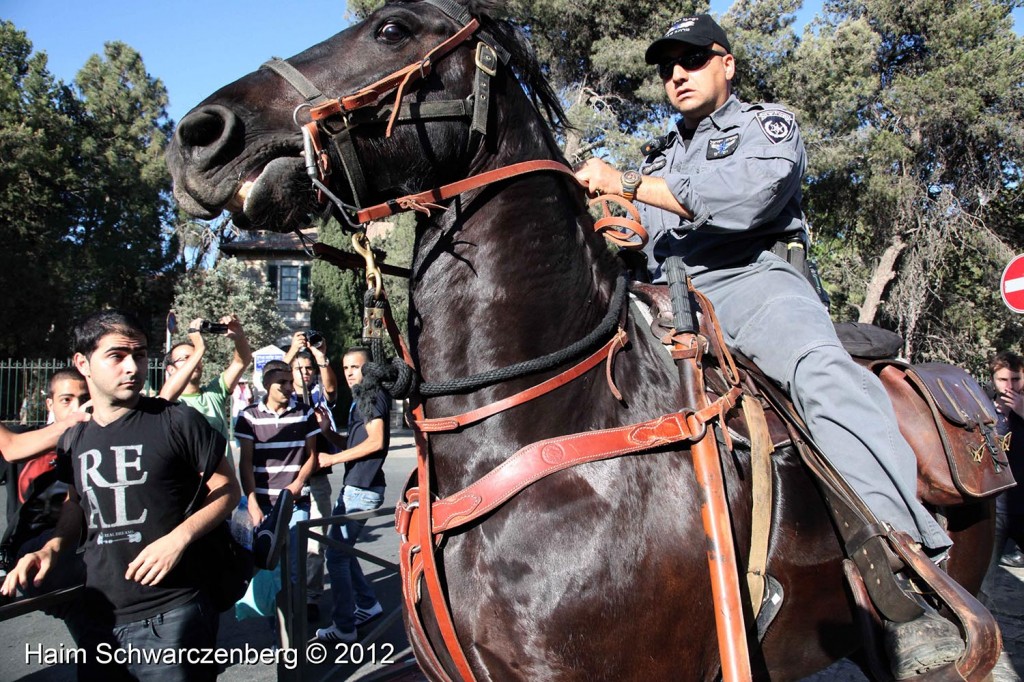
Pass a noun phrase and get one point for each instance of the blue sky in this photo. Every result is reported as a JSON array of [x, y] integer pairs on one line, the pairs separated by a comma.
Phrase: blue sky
[[196, 46]]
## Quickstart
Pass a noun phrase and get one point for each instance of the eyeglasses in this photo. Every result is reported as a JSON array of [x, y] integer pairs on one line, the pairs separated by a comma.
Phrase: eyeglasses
[[691, 61]]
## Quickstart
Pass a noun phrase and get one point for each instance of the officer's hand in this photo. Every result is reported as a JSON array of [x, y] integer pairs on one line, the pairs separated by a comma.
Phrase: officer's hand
[[599, 177]]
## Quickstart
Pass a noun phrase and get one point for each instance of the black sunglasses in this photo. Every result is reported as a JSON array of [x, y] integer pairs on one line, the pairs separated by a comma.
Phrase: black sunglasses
[[691, 61]]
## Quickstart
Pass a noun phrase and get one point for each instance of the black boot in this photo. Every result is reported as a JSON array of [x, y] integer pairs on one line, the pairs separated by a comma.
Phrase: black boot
[[921, 645]]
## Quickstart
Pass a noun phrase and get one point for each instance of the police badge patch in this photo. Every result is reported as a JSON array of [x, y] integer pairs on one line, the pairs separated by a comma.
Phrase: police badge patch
[[777, 125], [722, 147]]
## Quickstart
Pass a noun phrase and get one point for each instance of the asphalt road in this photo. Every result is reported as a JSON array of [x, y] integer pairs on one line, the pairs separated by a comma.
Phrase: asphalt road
[[383, 649]]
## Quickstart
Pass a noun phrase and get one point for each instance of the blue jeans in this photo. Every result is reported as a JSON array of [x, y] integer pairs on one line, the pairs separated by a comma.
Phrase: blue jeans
[[348, 584], [189, 626]]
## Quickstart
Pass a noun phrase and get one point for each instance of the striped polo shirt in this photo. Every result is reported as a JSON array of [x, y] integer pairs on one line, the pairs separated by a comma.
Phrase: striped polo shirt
[[279, 445]]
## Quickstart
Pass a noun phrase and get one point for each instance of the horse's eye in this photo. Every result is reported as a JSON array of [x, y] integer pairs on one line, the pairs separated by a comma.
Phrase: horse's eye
[[392, 33]]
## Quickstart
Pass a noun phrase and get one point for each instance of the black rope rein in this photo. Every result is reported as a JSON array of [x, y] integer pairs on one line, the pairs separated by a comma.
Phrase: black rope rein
[[398, 379]]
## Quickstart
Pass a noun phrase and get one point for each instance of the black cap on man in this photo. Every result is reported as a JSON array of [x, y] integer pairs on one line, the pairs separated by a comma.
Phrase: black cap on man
[[699, 31]]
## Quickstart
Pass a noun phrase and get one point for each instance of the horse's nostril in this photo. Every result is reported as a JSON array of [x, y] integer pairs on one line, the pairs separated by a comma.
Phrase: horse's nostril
[[208, 132]]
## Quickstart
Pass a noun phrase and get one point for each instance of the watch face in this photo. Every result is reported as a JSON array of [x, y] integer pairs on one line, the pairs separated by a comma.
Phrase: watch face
[[630, 178]]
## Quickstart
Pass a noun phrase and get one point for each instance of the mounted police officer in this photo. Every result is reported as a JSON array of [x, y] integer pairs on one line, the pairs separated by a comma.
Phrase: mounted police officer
[[720, 191]]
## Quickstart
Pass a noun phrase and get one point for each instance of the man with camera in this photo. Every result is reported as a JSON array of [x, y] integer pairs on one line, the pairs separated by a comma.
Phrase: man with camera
[[183, 366], [316, 386]]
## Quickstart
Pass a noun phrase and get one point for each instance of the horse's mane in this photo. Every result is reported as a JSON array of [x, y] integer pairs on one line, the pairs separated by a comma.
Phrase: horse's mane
[[523, 60]]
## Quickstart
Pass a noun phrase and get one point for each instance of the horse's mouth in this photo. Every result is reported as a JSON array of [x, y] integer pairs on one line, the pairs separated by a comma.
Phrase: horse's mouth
[[276, 196]]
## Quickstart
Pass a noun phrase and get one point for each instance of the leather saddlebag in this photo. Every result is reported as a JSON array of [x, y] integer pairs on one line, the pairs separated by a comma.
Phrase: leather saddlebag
[[951, 425]]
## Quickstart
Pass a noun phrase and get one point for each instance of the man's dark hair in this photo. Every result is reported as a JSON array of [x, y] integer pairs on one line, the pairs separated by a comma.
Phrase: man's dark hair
[[306, 355], [65, 374], [89, 331], [275, 366], [168, 357], [360, 349], [1006, 360]]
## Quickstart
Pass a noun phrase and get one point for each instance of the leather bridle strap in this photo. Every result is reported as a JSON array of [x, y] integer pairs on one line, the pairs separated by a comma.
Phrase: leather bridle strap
[[423, 201], [441, 424], [539, 460]]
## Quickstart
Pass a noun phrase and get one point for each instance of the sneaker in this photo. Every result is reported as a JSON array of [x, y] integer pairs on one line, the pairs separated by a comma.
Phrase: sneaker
[[921, 645], [333, 634], [364, 616], [270, 535]]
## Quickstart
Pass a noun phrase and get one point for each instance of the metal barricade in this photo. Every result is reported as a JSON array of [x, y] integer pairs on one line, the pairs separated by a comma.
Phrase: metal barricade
[[292, 602]]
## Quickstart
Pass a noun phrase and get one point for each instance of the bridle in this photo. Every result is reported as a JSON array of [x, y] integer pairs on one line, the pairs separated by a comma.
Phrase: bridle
[[333, 120]]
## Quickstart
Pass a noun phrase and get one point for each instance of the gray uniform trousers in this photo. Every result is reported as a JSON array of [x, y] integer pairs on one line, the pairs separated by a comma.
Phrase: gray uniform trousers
[[770, 313]]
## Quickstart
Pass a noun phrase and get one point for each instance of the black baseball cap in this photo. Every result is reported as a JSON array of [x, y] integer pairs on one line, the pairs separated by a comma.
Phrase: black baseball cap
[[699, 30]]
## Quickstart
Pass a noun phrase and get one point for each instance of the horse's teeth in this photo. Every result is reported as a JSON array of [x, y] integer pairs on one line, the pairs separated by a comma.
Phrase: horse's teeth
[[244, 190]]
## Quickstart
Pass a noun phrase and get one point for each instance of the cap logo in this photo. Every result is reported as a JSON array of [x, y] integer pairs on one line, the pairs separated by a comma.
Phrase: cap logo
[[681, 25]]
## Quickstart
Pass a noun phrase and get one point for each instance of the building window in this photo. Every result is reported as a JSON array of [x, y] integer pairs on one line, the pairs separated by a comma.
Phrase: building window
[[291, 282]]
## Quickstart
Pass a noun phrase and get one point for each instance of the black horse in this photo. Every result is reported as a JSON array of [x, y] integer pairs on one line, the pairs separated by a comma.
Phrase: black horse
[[598, 571]]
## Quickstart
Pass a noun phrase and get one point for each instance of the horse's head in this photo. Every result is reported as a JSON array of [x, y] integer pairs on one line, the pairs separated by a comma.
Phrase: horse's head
[[243, 149]]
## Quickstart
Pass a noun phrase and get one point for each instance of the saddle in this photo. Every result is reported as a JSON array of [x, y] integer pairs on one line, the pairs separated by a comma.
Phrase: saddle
[[949, 422], [943, 413]]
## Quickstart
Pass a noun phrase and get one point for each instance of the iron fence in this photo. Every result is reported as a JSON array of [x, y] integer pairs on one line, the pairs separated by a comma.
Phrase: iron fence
[[25, 384]]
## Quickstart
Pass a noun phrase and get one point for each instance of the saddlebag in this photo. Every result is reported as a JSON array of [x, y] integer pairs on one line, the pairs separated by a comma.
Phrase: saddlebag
[[951, 425]]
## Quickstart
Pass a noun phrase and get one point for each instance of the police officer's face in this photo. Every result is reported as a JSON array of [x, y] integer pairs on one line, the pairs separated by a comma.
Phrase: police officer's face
[[696, 93]]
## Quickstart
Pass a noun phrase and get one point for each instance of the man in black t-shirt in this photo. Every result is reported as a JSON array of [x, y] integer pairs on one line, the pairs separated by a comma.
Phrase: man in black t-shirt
[[134, 470], [368, 439]]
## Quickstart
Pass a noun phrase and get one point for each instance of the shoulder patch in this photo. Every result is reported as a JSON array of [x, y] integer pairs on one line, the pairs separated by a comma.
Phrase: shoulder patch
[[723, 146], [776, 124]]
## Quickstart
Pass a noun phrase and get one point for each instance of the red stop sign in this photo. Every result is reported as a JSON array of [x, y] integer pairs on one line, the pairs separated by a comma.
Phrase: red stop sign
[[1012, 285]]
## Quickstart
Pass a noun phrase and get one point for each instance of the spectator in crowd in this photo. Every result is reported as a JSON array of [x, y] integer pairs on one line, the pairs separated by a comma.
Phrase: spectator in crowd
[[369, 436], [316, 387], [278, 453], [183, 365], [133, 472], [1007, 389], [40, 495]]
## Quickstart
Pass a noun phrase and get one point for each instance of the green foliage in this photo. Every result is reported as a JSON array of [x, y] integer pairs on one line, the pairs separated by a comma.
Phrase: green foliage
[[337, 294], [84, 194], [223, 290]]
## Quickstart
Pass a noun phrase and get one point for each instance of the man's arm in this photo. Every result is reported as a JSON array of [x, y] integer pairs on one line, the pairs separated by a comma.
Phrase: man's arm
[[373, 444], [19, 446], [601, 178], [307, 469], [245, 472], [298, 343], [158, 558], [243, 353], [328, 380], [66, 535], [178, 380]]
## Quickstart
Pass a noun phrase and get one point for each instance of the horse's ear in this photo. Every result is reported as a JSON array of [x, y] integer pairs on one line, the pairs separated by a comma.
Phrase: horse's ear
[[492, 9]]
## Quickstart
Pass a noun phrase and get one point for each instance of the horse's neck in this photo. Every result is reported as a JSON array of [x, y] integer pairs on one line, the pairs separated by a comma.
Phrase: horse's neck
[[505, 276]]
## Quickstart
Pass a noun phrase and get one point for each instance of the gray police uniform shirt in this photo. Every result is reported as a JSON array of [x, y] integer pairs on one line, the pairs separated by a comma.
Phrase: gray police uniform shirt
[[740, 177]]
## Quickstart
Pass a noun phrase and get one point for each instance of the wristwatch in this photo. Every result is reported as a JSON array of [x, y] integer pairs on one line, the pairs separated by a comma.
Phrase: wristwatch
[[630, 180]]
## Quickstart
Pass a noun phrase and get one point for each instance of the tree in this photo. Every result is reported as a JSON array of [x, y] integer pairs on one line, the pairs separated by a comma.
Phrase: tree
[[122, 198], [912, 111], [84, 194], [222, 290], [35, 170]]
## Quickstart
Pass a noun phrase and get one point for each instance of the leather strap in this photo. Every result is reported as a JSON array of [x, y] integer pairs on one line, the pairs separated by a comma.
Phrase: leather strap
[[539, 460], [761, 448], [439, 424], [432, 196], [626, 233]]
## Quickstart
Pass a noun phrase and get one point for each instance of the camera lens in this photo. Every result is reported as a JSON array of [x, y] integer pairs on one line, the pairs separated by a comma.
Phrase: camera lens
[[314, 338]]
